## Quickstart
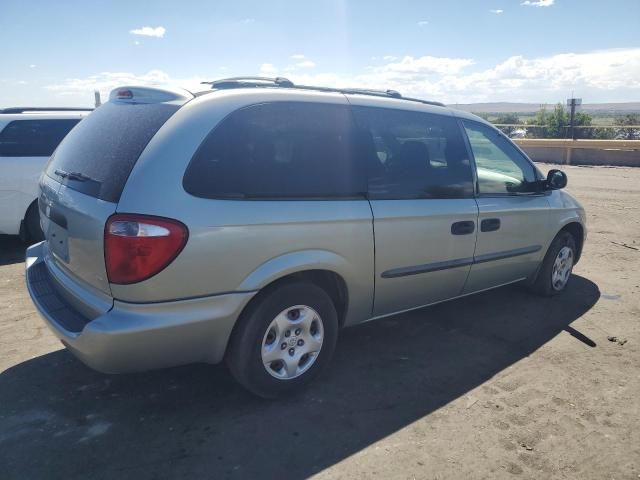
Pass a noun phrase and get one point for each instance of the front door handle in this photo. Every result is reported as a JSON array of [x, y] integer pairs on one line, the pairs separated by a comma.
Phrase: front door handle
[[463, 228], [490, 225]]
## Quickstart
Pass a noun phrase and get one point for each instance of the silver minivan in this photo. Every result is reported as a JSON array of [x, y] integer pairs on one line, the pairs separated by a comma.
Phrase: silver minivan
[[251, 222]]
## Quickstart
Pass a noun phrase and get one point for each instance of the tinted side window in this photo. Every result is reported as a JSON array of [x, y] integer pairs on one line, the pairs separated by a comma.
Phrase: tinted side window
[[33, 138], [285, 149], [106, 145], [413, 154], [502, 169]]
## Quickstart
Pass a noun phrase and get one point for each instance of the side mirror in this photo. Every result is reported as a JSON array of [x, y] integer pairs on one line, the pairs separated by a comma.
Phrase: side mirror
[[556, 179]]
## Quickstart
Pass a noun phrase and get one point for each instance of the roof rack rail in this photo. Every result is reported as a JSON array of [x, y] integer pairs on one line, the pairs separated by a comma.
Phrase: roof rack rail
[[43, 109], [367, 91], [426, 102], [241, 82]]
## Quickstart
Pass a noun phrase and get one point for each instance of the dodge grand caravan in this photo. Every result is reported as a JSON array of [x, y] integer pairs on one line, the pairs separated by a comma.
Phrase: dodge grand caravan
[[251, 222]]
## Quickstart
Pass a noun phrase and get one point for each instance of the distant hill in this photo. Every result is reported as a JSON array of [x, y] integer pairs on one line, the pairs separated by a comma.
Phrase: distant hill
[[508, 107]]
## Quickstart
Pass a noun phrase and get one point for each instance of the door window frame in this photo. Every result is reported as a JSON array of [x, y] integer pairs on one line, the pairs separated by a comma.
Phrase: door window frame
[[476, 184], [358, 126]]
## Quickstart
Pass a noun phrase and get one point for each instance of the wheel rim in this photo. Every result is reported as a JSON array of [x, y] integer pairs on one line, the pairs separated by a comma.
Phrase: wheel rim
[[292, 342], [562, 267]]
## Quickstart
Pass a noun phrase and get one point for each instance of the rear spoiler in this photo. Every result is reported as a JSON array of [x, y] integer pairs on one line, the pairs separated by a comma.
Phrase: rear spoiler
[[138, 94]]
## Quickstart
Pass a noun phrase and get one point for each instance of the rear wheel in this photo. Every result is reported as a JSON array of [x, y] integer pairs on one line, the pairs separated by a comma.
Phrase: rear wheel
[[555, 272], [32, 224], [284, 339]]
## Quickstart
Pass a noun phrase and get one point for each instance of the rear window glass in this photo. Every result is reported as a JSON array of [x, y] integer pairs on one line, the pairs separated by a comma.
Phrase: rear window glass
[[278, 150], [105, 146], [33, 138]]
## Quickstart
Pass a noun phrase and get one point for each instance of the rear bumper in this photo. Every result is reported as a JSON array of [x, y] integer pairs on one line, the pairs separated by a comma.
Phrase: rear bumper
[[135, 337]]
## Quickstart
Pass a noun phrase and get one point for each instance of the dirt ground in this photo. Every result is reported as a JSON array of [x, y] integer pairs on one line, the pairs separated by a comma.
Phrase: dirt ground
[[498, 385]]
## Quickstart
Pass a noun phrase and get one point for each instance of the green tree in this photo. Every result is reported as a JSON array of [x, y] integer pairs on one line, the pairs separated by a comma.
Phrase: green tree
[[556, 124], [605, 133], [628, 133], [539, 130], [509, 119], [484, 116], [583, 119]]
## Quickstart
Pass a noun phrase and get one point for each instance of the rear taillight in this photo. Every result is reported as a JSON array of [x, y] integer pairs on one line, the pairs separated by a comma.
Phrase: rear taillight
[[137, 247]]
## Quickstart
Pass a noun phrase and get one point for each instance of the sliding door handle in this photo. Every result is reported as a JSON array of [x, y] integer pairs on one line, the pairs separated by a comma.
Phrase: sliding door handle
[[490, 225], [463, 228]]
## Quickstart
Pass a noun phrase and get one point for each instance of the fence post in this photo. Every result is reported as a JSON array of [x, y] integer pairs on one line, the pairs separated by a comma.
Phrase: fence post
[[567, 158]]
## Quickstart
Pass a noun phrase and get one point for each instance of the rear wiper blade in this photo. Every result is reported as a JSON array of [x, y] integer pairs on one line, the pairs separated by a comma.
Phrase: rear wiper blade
[[81, 177]]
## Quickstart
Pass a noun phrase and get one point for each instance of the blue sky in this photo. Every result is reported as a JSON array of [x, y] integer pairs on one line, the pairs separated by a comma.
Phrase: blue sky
[[57, 53]]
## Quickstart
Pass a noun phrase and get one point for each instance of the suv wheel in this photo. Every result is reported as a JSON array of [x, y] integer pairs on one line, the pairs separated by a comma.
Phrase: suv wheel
[[557, 266], [32, 224], [284, 339]]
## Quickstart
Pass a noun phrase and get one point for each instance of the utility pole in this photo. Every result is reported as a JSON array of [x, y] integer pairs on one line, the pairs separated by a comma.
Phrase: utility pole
[[573, 103], [96, 96]]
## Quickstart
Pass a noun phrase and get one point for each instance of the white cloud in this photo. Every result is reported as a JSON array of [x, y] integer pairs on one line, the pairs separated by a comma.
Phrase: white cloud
[[497, 11], [33, 65], [157, 32], [302, 63], [423, 23], [426, 65], [305, 64], [104, 82], [21, 82], [609, 75], [598, 76], [389, 58], [268, 69], [247, 21], [538, 3]]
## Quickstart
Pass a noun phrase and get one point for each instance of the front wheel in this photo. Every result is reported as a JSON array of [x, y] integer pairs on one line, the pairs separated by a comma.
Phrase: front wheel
[[284, 339], [557, 266]]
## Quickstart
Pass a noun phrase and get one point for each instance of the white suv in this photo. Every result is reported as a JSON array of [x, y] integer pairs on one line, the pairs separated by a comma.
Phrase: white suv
[[28, 137]]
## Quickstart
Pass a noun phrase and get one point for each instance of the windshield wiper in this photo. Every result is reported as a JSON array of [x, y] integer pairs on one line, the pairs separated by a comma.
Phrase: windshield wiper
[[81, 177]]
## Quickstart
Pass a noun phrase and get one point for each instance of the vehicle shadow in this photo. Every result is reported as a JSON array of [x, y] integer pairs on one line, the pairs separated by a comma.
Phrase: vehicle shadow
[[60, 419], [11, 250]]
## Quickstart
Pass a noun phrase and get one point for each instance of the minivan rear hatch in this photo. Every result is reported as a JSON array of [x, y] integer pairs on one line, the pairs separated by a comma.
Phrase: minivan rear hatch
[[86, 175]]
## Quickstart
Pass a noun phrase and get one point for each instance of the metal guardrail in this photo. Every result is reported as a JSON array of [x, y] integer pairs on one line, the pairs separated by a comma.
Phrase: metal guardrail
[[580, 132], [525, 125], [613, 152], [584, 143]]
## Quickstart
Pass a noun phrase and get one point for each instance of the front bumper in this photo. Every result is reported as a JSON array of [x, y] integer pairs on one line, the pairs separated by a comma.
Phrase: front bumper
[[135, 337]]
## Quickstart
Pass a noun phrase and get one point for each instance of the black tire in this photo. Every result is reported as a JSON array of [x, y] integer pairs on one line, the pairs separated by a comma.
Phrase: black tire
[[32, 224], [244, 353], [543, 284]]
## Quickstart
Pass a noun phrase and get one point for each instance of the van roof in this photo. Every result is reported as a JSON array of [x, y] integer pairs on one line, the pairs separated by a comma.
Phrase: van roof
[[383, 96], [16, 110], [5, 118], [281, 82], [280, 87]]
